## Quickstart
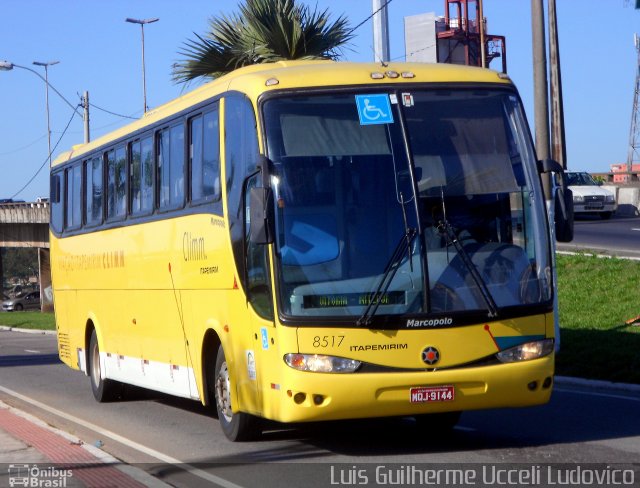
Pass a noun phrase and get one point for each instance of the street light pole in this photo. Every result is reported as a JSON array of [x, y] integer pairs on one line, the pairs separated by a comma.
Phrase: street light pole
[[8, 66], [142, 23], [46, 86]]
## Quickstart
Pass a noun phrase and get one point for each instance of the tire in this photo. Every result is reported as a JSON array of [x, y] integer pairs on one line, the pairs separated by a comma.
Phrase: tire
[[18, 307], [104, 390], [606, 215], [237, 426], [437, 423]]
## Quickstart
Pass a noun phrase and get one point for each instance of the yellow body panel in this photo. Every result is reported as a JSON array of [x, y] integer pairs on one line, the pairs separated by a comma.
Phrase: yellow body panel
[[154, 290]]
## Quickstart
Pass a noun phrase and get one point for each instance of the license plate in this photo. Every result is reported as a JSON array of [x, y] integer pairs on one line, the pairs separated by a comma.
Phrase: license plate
[[595, 205], [427, 394]]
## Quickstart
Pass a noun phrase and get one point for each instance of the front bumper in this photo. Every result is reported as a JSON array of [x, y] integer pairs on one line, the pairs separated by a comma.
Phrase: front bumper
[[585, 208], [304, 396]]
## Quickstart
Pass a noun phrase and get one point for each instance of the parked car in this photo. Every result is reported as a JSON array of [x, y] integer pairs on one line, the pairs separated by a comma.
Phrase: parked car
[[29, 301], [589, 197]]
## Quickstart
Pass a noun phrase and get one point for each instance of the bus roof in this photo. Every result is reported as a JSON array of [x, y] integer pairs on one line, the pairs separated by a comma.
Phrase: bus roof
[[252, 80]]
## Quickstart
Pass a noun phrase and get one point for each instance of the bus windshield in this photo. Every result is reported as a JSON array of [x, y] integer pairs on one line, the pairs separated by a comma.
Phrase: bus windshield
[[419, 203]]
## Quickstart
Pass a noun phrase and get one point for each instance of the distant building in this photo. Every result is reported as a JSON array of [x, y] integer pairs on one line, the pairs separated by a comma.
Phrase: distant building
[[620, 174]]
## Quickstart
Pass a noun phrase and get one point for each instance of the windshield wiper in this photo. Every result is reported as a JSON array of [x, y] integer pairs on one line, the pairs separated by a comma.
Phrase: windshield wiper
[[404, 245], [444, 227]]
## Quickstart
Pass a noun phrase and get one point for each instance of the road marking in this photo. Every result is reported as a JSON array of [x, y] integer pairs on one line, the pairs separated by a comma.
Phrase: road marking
[[635, 228], [123, 440], [604, 395], [32, 351]]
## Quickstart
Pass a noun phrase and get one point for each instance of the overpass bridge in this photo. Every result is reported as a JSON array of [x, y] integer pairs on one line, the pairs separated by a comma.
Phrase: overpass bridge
[[26, 224]]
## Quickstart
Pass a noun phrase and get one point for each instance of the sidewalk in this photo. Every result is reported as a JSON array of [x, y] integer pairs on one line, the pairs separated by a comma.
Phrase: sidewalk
[[33, 453]]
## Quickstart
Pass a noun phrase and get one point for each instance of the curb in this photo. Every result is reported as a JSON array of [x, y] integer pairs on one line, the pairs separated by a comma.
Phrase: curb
[[103, 457], [28, 331]]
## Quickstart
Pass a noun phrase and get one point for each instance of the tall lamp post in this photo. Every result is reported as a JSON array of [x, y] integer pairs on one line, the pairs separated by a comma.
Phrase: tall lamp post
[[46, 87], [8, 66], [142, 23]]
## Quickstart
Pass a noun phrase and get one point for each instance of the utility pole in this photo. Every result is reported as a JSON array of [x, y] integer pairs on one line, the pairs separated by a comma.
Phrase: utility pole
[[558, 143], [85, 118], [540, 87], [483, 48], [380, 31]]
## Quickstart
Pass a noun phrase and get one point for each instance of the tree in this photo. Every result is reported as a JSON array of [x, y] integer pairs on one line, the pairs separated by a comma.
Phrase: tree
[[18, 264], [265, 31]]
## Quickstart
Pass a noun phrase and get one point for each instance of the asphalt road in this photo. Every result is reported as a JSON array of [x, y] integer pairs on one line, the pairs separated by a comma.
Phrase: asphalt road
[[618, 236], [579, 425]]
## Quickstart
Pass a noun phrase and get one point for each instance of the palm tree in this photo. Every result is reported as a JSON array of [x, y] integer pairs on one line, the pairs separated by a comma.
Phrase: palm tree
[[265, 31]]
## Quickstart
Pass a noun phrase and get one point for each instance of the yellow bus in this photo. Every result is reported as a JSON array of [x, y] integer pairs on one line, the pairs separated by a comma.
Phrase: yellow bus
[[310, 241]]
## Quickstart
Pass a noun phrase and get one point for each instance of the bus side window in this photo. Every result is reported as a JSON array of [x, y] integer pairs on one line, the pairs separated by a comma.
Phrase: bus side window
[[171, 167], [57, 208], [73, 197], [204, 157], [93, 194], [141, 176], [116, 183]]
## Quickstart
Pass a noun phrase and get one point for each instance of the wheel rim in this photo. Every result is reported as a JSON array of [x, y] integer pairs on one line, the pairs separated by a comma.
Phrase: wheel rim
[[95, 364], [223, 395]]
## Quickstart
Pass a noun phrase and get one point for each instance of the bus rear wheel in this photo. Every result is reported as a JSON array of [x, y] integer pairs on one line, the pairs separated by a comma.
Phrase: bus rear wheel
[[104, 390], [237, 426]]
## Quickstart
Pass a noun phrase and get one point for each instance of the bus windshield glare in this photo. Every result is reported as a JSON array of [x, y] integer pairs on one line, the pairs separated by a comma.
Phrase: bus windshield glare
[[430, 209]]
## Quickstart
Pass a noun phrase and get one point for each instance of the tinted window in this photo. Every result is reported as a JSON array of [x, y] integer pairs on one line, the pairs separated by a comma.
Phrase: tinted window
[[142, 176], [116, 186], [73, 197], [93, 195], [205, 157], [57, 208], [171, 167]]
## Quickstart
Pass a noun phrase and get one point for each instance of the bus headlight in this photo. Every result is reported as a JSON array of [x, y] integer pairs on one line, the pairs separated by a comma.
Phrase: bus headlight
[[526, 352], [319, 363]]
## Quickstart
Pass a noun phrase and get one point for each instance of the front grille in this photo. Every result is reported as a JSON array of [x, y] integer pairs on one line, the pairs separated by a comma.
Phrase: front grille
[[594, 198]]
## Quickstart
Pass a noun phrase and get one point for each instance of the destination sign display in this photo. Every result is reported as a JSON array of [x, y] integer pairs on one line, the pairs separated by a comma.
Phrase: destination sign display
[[334, 300]]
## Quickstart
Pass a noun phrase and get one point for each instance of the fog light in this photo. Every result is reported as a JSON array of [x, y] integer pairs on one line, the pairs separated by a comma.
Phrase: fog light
[[299, 398], [533, 385], [318, 399], [547, 382]]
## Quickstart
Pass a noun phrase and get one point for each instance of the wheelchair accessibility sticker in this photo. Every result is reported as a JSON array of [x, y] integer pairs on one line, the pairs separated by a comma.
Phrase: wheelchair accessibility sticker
[[374, 109]]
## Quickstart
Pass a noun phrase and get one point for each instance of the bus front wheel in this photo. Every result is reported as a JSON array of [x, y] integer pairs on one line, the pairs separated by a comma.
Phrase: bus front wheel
[[104, 390], [237, 426]]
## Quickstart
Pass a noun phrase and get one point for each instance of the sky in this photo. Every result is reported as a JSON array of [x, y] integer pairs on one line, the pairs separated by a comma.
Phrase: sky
[[100, 53]]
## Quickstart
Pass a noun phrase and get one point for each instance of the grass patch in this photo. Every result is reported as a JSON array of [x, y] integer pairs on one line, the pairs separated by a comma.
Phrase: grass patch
[[29, 320], [596, 298]]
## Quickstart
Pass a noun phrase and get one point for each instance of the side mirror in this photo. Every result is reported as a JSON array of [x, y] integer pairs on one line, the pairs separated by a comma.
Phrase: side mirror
[[260, 224], [563, 211], [562, 200]]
